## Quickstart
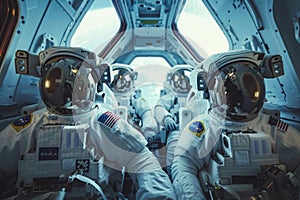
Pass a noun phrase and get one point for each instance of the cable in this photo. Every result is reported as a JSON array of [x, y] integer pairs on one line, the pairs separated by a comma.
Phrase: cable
[[88, 181]]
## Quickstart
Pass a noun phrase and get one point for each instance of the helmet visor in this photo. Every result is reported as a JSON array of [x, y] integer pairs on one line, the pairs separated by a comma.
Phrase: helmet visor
[[180, 81], [123, 81], [238, 87]]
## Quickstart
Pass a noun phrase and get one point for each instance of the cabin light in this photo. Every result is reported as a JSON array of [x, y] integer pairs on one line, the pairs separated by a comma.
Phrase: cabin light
[[21, 66], [47, 84], [231, 75], [21, 62], [74, 70], [256, 94], [277, 71], [276, 66]]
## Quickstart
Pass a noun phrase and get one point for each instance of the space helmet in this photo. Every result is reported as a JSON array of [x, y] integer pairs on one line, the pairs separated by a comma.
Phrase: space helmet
[[235, 84], [178, 79], [123, 78], [69, 80]]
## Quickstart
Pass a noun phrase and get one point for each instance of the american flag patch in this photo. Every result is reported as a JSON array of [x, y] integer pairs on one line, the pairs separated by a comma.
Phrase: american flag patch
[[281, 125], [108, 119]]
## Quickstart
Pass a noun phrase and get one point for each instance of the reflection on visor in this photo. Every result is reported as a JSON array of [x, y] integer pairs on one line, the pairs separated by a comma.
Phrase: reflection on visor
[[251, 87], [122, 83], [53, 81], [181, 83], [240, 87]]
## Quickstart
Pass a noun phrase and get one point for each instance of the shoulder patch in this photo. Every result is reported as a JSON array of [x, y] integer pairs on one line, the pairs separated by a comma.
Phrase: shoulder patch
[[281, 125], [197, 128], [22, 122], [108, 119]]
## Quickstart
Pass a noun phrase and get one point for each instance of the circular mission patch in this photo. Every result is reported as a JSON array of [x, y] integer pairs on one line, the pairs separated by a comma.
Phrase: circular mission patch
[[197, 128], [22, 122]]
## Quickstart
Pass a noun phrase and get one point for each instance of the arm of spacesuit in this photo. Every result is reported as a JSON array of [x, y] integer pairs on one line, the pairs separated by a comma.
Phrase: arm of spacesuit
[[195, 148], [144, 112], [10, 152], [149, 126], [123, 146], [15, 140], [160, 114], [185, 179], [161, 109], [185, 170]]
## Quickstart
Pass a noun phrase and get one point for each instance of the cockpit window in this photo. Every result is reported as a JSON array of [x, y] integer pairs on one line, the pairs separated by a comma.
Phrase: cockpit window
[[149, 66], [201, 30], [94, 32], [152, 72]]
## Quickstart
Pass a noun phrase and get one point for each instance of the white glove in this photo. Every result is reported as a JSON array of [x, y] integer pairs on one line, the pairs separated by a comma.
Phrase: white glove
[[170, 124]]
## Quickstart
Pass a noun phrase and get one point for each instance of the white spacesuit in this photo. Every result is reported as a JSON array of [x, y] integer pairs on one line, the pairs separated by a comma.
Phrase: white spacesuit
[[64, 147], [237, 149], [166, 111], [196, 101], [139, 113]]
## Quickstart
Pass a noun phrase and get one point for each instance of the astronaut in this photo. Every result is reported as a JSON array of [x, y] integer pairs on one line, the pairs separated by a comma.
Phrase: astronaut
[[123, 83], [64, 147], [166, 111], [139, 112], [237, 149]]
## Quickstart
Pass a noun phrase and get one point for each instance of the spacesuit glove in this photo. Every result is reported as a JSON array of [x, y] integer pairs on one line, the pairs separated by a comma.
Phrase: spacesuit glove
[[170, 124]]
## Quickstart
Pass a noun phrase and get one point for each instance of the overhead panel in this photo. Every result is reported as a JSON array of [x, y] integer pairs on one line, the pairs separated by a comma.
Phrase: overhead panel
[[148, 13], [150, 38], [149, 21]]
